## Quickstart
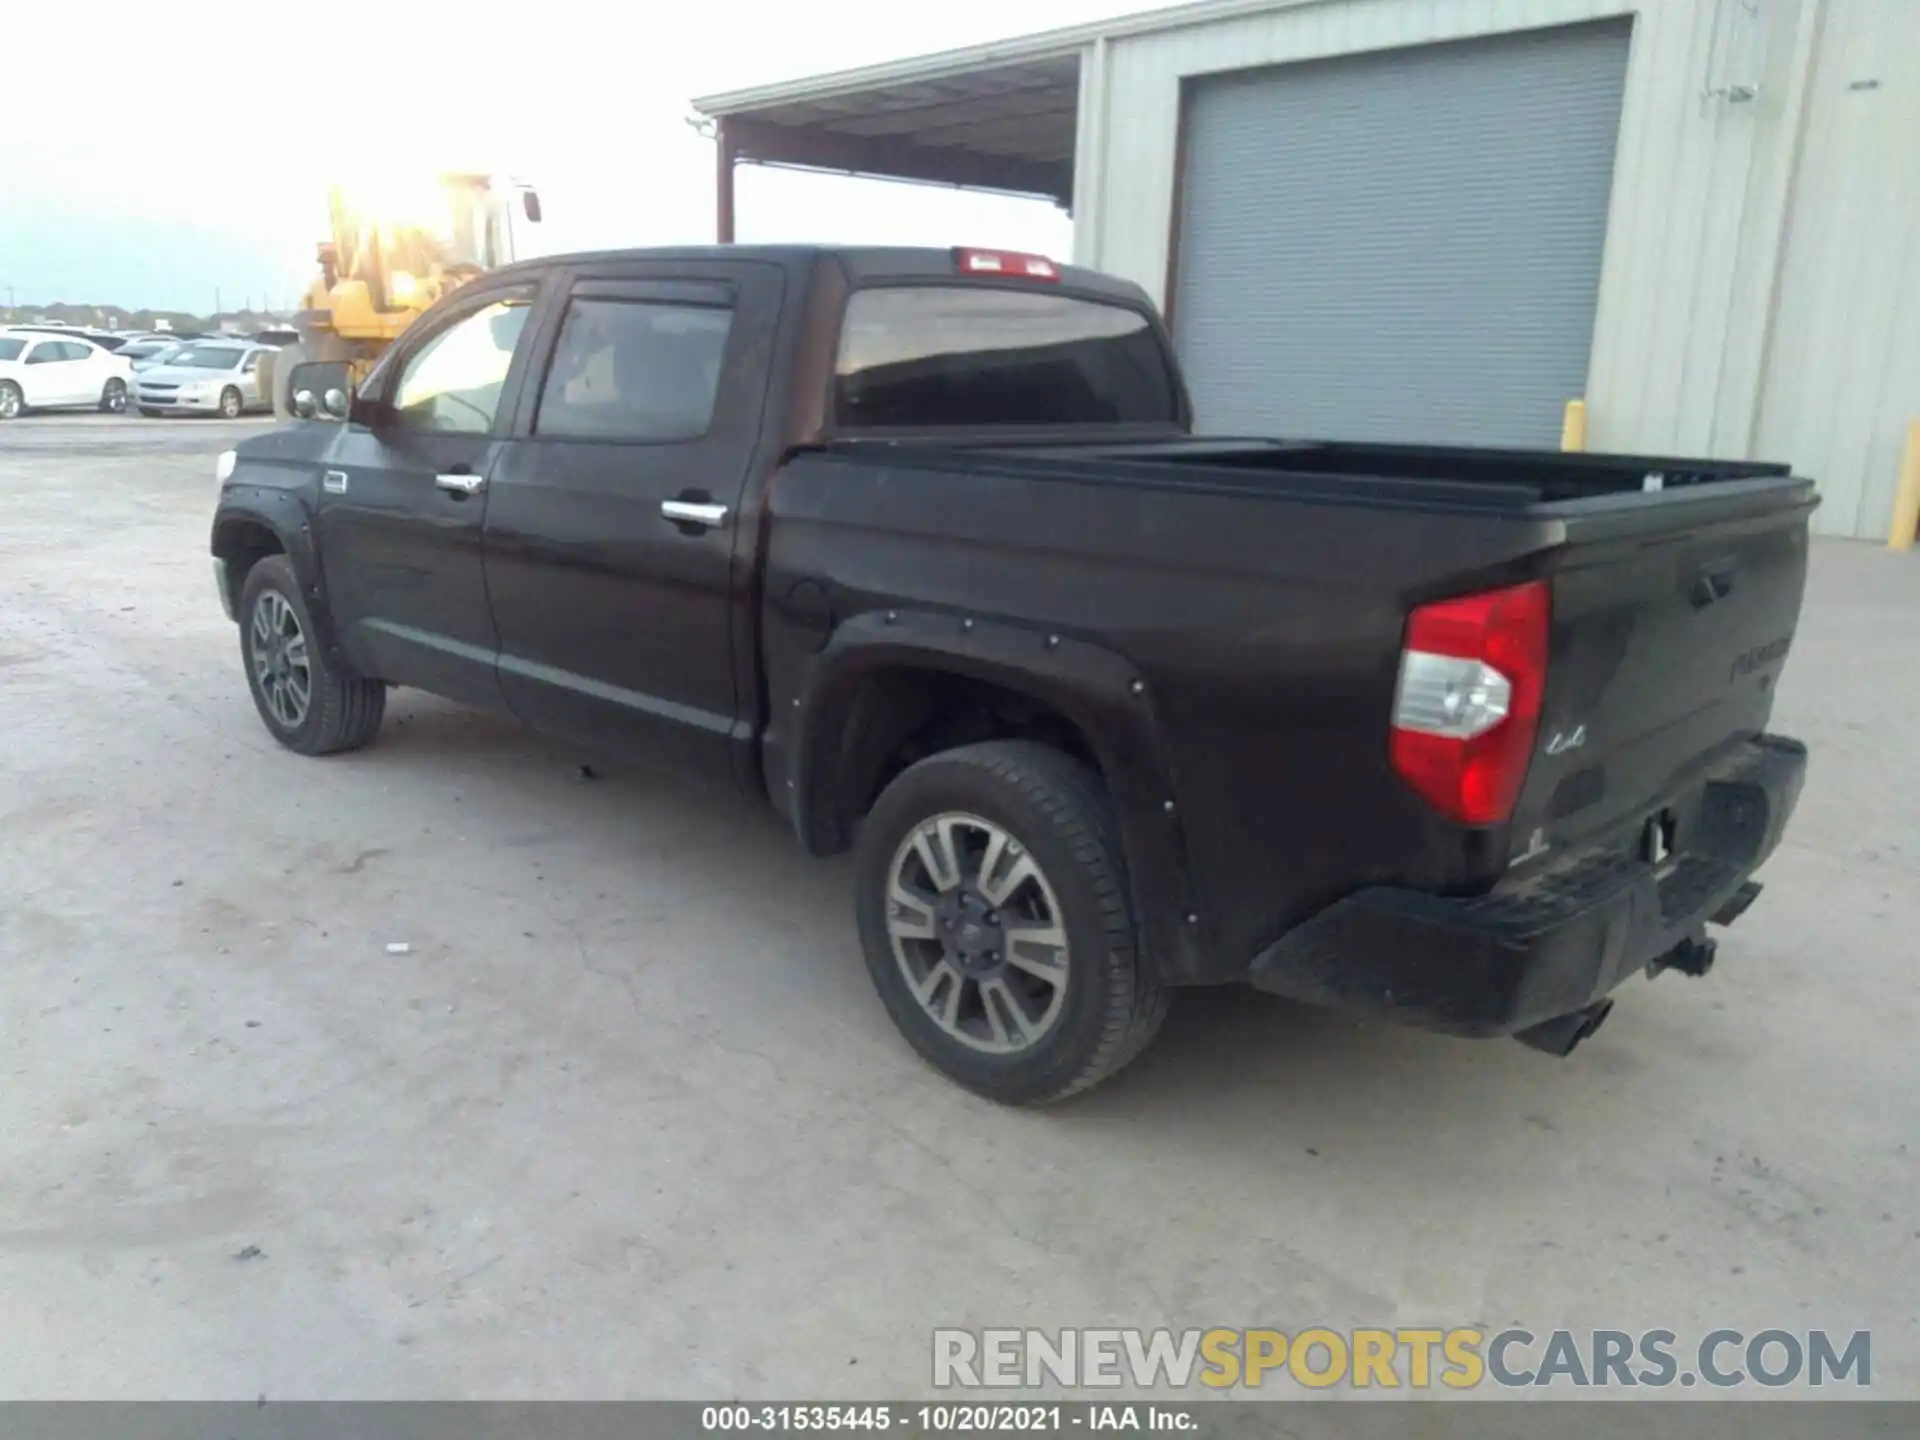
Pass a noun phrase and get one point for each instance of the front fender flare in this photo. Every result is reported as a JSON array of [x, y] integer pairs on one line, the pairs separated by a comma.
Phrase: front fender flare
[[285, 514]]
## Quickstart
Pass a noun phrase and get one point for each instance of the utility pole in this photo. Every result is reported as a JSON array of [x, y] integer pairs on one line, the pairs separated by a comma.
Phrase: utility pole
[[216, 300]]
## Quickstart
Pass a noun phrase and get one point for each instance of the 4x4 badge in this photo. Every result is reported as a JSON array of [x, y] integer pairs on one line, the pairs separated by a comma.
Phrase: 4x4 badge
[[1567, 740]]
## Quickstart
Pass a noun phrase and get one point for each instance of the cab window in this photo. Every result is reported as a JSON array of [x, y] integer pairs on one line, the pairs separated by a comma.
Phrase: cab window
[[453, 383]]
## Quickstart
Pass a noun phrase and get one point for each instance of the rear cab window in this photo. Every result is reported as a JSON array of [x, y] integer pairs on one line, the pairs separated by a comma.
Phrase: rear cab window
[[919, 356]]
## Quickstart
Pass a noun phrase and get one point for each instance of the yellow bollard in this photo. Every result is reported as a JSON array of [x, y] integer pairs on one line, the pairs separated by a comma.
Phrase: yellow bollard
[[1573, 427], [1906, 499]]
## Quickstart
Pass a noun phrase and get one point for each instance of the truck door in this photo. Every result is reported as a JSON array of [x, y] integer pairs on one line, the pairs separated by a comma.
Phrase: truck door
[[403, 497], [617, 572]]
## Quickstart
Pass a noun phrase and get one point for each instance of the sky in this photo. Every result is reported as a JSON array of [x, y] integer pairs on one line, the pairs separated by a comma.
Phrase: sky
[[192, 158]]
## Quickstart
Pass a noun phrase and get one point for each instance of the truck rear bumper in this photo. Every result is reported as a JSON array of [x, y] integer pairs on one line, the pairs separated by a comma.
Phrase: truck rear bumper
[[1554, 939]]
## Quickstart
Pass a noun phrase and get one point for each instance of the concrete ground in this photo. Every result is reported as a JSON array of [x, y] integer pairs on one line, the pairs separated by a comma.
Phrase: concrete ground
[[626, 1120]]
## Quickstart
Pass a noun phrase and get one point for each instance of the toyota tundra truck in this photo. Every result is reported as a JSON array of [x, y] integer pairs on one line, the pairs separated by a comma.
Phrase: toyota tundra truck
[[919, 548]]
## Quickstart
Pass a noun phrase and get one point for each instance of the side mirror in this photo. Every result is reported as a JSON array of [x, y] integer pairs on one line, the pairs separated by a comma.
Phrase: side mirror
[[315, 385], [530, 203]]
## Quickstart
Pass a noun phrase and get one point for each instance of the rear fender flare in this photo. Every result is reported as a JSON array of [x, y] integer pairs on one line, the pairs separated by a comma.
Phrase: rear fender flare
[[1097, 689]]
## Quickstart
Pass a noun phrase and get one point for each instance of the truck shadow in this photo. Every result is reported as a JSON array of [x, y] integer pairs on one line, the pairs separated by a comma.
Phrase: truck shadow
[[1277, 1076]]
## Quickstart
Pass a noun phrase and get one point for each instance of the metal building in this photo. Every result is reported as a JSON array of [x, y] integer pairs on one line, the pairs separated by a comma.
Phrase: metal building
[[1443, 219]]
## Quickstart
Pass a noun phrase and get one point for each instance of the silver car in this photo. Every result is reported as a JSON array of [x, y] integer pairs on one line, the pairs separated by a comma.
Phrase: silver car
[[207, 377]]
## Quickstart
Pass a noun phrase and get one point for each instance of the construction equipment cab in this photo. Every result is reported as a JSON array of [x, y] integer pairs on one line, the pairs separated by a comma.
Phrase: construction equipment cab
[[396, 245]]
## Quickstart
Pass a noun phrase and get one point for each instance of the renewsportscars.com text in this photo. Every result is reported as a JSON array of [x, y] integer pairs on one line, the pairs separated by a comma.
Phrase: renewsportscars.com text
[[1457, 1359]]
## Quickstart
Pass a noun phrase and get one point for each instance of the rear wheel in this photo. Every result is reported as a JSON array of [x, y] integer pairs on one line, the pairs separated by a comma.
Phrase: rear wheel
[[994, 915], [230, 404], [310, 704], [11, 401], [113, 399]]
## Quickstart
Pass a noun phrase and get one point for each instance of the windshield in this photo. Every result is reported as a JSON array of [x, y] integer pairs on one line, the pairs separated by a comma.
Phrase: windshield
[[10, 349], [207, 357]]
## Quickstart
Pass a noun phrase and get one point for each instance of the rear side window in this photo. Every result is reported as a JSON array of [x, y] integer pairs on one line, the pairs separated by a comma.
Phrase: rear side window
[[634, 370], [939, 355]]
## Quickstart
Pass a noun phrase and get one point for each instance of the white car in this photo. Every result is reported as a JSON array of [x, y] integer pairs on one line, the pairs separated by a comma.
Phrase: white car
[[206, 377], [42, 371]]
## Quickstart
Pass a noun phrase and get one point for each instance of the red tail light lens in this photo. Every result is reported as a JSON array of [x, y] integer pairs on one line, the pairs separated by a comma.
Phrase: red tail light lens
[[1005, 262], [1467, 708]]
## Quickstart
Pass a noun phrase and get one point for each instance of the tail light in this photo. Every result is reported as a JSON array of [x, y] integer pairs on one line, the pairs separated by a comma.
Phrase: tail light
[[1467, 707], [1005, 262]]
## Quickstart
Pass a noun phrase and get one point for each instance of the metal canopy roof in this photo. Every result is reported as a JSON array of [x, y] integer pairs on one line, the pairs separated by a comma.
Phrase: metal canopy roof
[[1001, 116], [1003, 126]]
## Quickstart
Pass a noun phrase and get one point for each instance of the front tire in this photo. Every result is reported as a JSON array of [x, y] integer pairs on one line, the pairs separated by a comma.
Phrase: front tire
[[994, 914], [230, 404], [113, 398], [308, 703]]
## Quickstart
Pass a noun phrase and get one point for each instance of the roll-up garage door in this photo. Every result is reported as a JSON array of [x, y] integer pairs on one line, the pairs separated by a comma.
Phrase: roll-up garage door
[[1403, 245]]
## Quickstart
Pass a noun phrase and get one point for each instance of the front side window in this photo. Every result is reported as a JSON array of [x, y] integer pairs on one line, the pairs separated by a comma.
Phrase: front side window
[[634, 370], [453, 383], [45, 353], [969, 355]]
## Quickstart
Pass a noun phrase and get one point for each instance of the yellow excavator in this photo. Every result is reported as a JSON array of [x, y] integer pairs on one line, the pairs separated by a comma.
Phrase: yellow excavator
[[397, 245]]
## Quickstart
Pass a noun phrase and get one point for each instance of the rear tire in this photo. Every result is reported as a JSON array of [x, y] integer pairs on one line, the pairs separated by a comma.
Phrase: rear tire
[[12, 403], [308, 703], [1051, 815], [113, 399]]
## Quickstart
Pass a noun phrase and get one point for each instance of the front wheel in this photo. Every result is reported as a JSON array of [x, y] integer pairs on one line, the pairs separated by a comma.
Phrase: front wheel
[[310, 705], [993, 909], [230, 404], [12, 403], [113, 399]]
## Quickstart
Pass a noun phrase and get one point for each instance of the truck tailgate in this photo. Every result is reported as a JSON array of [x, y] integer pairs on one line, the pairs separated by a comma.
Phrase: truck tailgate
[[1672, 615]]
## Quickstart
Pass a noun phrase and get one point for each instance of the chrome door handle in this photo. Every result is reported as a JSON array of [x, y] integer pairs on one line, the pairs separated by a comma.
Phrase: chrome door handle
[[694, 512], [461, 484]]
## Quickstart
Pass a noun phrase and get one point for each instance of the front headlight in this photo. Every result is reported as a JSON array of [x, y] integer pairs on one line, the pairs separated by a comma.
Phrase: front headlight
[[223, 471]]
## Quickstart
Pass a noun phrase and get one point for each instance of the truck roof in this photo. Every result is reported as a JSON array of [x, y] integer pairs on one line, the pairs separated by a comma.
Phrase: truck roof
[[861, 262]]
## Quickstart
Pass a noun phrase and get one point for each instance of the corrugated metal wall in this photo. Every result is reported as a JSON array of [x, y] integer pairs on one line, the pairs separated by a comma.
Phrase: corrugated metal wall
[[1729, 132], [1842, 377]]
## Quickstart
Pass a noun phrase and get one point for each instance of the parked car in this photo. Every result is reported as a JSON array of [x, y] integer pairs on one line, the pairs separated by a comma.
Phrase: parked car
[[205, 377], [44, 370], [105, 339], [917, 547], [146, 351]]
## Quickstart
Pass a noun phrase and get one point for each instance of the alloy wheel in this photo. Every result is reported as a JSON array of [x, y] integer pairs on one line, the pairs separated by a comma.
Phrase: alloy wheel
[[277, 647], [978, 933]]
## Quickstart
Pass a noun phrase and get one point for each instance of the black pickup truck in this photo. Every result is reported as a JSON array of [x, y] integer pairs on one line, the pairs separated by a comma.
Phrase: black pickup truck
[[918, 546]]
